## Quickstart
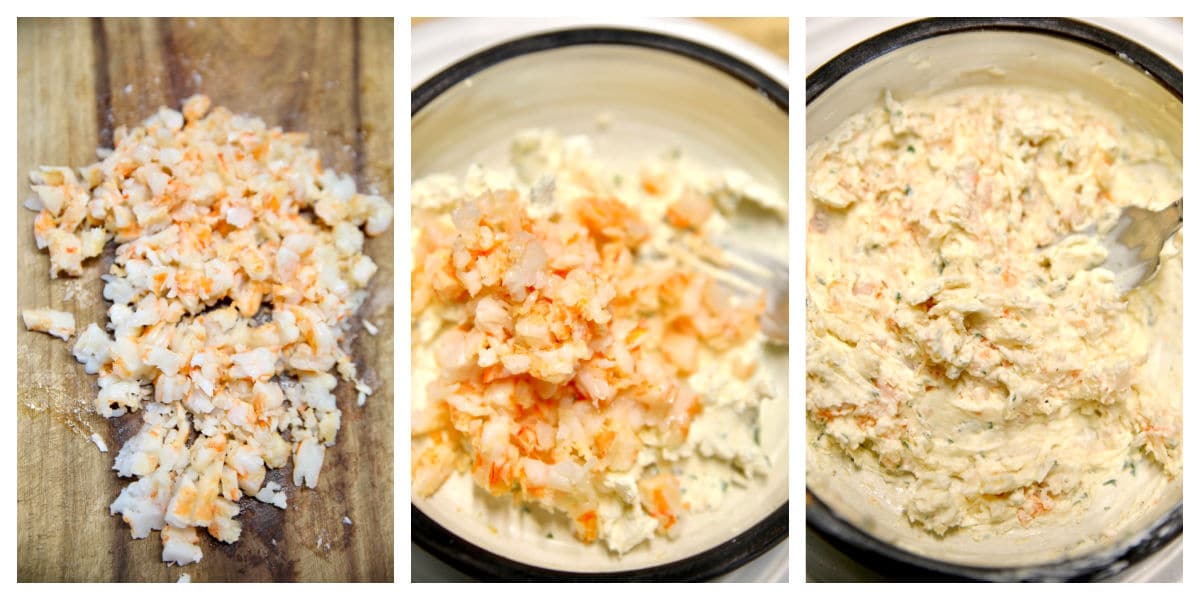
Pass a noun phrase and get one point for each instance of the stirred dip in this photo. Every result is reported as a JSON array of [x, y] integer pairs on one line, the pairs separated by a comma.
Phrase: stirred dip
[[568, 349], [239, 264], [961, 344]]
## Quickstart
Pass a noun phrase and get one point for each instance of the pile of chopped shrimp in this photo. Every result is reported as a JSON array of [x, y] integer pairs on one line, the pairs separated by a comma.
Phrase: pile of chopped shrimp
[[565, 348], [238, 266]]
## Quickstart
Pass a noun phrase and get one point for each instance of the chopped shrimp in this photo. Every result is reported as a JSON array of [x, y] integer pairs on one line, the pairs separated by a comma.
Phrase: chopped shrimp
[[230, 307]]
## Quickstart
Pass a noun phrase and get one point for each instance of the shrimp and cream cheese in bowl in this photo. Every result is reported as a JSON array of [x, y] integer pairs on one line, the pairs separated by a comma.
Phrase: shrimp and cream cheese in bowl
[[573, 356], [969, 368]]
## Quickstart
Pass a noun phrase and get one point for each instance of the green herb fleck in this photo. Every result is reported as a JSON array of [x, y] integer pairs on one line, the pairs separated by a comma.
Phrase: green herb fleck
[[910, 149], [724, 485], [990, 425], [617, 179], [549, 535], [676, 153], [897, 296], [820, 280], [907, 190], [757, 435], [1111, 482]]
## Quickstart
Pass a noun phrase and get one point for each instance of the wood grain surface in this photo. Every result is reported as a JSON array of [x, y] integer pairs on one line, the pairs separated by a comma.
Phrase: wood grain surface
[[79, 78], [769, 32]]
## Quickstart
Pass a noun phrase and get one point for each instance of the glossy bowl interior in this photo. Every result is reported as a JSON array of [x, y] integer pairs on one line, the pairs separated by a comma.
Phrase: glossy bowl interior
[[634, 102], [854, 507]]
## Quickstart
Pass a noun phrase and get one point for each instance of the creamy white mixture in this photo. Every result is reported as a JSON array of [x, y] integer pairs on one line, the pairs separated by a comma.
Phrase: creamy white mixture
[[962, 346], [549, 174]]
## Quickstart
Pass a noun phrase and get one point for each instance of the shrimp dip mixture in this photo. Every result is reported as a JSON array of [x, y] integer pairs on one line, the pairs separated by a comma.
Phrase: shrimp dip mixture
[[961, 343], [238, 267], [569, 349]]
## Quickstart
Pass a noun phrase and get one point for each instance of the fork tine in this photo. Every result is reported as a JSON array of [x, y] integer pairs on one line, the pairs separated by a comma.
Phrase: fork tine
[[747, 270], [754, 257], [728, 265]]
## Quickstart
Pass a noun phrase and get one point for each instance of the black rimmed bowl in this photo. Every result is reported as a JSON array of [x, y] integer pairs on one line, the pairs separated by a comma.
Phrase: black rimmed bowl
[[637, 95], [853, 512]]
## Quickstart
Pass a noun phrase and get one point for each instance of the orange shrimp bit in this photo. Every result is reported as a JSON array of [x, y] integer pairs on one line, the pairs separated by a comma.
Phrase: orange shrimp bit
[[661, 499], [587, 527]]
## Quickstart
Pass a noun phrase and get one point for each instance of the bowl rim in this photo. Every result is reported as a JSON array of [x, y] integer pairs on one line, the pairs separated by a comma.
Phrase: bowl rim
[[886, 557], [706, 564], [1158, 68], [748, 74]]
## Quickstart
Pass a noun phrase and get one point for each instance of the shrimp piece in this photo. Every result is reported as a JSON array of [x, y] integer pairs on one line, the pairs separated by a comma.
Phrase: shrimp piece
[[662, 500], [681, 350], [181, 545], [587, 526], [43, 224], [690, 211], [743, 367], [66, 253], [497, 477], [610, 218], [56, 323], [433, 466], [1036, 504]]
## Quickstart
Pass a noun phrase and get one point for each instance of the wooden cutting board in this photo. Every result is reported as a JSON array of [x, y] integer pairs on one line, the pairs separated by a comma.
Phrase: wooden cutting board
[[77, 80]]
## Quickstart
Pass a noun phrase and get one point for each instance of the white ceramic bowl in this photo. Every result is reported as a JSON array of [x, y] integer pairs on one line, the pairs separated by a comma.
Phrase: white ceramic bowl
[[655, 93], [936, 55]]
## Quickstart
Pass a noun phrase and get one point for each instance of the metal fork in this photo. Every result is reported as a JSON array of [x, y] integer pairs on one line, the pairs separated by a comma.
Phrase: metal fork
[[763, 272], [1135, 242]]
